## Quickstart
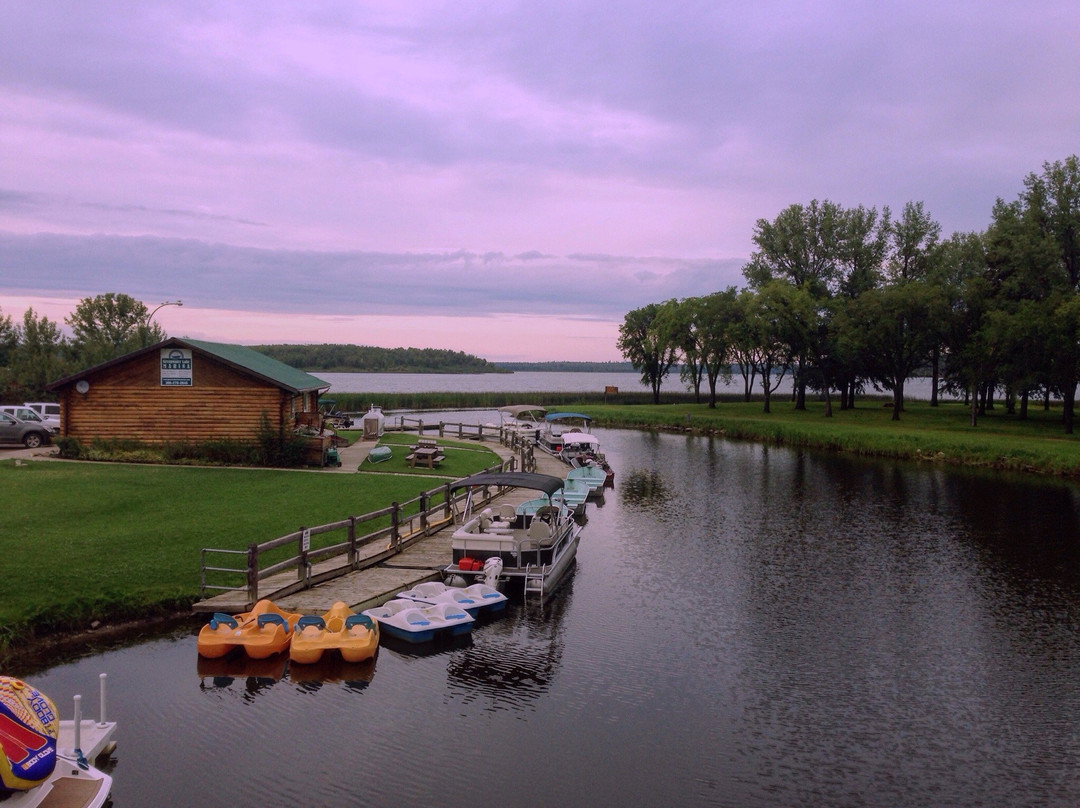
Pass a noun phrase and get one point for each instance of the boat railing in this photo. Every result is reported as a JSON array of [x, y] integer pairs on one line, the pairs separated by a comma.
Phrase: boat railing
[[311, 555]]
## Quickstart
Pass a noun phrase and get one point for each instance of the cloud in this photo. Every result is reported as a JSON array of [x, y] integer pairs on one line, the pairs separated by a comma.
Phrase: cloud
[[585, 156], [444, 283]]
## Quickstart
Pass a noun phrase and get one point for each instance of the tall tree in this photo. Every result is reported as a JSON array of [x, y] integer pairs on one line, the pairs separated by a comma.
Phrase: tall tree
[[1052, 201], [801, 248], [894, 326], [39, 357], [863, 245], [767, 318], [676, 319], [647, 344], [714, 318], [914, 236], [110, 325]]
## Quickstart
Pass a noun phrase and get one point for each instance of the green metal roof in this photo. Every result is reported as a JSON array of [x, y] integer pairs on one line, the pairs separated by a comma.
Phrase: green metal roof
[[244, 359], [259, 364]]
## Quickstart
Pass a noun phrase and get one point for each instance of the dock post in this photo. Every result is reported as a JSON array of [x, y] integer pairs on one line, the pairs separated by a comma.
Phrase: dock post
[[353, 556], [301, 557], [253, 573], [423, 511], [447, 512], [395, 524]]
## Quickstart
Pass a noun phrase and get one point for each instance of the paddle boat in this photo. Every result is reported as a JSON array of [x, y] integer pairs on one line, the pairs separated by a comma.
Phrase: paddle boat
[[474, 599], [415, 622], [354, 636], [536, 548], [45, 761], [262, 632]]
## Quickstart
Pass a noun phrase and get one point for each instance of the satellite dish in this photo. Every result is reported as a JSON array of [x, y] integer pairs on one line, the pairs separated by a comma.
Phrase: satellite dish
[[81, 386]]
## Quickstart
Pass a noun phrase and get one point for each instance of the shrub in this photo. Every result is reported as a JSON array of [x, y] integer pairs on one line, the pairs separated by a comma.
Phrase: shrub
[[70, 448]]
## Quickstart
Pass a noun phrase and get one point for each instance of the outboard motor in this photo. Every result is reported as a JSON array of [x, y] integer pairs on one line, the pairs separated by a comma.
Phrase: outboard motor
[[493, 568]]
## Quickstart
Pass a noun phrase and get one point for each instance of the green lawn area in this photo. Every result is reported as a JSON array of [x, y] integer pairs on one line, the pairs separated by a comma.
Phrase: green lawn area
[[942, 434], [82, 541]]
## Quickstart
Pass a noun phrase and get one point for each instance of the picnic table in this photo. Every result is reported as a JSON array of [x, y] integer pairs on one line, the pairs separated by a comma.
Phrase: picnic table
[[429, 456]]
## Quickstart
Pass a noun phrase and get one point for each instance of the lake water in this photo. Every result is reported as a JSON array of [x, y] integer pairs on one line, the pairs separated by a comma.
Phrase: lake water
[[747, 626], [546, 382]]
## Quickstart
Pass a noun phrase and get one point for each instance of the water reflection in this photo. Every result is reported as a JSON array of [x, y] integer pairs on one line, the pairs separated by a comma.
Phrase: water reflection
[[518, 659], [747, 626]]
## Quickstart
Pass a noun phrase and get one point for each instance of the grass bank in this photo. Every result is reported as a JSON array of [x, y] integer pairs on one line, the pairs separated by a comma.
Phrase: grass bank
[[82, 541], [935, 434]]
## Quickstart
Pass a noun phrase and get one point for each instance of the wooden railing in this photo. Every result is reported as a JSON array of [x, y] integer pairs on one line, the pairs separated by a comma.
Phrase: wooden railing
[[398, 525]]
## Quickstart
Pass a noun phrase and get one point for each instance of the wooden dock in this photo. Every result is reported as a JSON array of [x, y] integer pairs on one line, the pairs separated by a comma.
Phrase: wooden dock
[[382, 573]]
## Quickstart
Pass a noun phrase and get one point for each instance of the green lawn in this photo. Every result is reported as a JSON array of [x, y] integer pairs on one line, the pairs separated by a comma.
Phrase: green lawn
[[941, 433], [82, 541]]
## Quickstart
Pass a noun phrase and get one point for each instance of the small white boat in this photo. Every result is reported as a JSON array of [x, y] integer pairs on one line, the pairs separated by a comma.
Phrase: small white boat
[[474, 599], [73, 781], [591, 475], [524, 419], [573, 493], [558, 426], [416, 622]]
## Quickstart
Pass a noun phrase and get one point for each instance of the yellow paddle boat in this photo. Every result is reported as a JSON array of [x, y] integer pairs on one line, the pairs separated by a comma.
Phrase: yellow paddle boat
[[355, 636], [262, 632]]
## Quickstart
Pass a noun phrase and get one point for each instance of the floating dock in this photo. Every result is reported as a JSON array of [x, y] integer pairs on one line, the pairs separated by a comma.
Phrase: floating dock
[[382, 574]]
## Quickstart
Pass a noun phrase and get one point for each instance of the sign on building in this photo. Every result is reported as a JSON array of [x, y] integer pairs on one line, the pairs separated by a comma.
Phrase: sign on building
[[175, 367]]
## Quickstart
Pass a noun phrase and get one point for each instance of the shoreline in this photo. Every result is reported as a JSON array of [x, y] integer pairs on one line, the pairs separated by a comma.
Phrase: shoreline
[[953, 445]]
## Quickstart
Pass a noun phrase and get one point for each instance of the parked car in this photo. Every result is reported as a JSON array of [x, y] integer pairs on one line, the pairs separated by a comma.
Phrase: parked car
[[48, 410], [30, 434], [24, 413]]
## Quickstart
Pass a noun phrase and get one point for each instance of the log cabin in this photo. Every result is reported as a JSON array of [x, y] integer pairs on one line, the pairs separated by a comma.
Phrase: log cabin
[[187, 390]]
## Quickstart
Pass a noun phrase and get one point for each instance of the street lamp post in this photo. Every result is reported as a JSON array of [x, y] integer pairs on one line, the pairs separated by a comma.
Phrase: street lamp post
[[160, 305]]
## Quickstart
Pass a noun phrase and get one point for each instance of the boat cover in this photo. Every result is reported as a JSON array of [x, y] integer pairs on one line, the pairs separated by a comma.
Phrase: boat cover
[[515, 479], [581, 438], [517, 409], [558, 416]]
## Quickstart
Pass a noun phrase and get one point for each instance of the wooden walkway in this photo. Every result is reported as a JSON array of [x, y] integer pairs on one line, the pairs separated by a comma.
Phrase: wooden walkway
[[383, 572]]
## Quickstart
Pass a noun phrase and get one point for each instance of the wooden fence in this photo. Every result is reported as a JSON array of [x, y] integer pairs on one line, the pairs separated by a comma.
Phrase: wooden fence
[[398, 525]]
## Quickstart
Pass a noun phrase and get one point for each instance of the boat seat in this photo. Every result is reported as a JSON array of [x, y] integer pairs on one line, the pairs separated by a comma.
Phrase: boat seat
[[271, 617], [507, 512], [539, 529], [359, 620], [310, 620], [222, 619]]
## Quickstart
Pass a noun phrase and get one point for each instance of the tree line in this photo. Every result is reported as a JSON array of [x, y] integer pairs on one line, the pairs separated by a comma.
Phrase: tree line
[[340, 358], [35, 352], [838, 298]]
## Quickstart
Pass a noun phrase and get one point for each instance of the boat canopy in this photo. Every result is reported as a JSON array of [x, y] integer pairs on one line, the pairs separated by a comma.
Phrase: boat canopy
[[579, 438], [515, 479], [515, 410], [561, 416]]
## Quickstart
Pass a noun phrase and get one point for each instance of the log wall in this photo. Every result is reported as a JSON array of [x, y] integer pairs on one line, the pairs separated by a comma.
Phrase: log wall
[[128, 401]]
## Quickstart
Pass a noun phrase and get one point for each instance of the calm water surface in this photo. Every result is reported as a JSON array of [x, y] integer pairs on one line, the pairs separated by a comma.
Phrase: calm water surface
[[746, 626], [546, 381]]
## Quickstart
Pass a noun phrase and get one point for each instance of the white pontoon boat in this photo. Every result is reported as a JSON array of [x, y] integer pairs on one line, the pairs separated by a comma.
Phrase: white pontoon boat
[[536, 548]]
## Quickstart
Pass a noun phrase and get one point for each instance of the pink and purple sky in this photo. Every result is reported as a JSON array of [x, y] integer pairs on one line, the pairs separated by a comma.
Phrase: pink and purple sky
[[506, 179]]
